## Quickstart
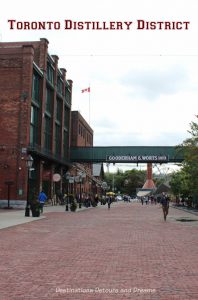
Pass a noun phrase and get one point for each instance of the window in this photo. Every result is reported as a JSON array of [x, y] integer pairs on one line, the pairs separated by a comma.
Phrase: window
[[58, 110], [68, 93], [50, 74], [57, 139], [66, 117], [47, 134], [59, 85], [49, 100], [66, 132], [36, 88], [65, 144], [34, 124], [91, 140]]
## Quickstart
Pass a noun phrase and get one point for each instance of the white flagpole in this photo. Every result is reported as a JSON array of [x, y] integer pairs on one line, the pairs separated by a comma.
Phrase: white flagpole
[[89, 104]]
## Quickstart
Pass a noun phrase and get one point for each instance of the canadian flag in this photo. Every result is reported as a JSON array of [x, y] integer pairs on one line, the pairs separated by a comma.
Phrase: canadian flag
[[86, 90]]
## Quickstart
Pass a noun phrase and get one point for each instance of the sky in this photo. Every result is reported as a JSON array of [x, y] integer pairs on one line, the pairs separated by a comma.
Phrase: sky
[[144, 82]]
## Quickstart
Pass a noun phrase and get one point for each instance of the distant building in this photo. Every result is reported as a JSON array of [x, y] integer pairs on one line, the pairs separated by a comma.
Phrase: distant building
[[81, 132], [98, 174], [35, 115], [81, 136]]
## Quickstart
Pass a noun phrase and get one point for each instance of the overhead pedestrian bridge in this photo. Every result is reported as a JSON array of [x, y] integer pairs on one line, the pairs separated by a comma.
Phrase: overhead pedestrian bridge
[[127, 154]]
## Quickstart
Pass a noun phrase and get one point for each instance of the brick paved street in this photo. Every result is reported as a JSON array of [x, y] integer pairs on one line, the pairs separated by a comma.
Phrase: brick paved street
[[128, 252]]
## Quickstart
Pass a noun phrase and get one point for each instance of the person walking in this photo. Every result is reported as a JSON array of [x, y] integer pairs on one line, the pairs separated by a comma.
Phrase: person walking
[[146, 200], [109, 202], [165, 205], [42, 198]]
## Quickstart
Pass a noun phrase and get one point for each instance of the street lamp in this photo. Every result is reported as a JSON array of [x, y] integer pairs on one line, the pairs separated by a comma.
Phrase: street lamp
[[67, 176], [113, 183], [29, 162], [104, 186], [81, 175]]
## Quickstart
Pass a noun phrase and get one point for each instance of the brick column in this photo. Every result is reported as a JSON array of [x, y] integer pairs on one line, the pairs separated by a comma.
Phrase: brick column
[[149, 184]]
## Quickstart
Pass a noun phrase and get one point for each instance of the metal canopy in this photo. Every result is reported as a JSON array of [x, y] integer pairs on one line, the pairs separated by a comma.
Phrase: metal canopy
[[133, 154], [143, 193]]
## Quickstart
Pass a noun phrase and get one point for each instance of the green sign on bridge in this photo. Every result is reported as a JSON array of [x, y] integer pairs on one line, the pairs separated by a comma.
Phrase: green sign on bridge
[[127, 154]]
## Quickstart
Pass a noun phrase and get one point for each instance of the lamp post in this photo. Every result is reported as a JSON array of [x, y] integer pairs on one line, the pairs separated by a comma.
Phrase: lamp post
[[67, 198], [29, 162], [9, 183], [80, 201], [104, 186], [81, 176]]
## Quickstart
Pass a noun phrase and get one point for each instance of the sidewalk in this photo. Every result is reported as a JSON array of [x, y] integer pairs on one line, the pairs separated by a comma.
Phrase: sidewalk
[[127, 252], [187, 209], [13, 217]]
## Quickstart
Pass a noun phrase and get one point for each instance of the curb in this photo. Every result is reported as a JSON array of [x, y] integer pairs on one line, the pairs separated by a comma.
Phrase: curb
[[186, 210]]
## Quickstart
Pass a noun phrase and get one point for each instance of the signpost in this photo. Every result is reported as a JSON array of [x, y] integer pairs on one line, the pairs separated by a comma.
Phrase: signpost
[[9, 183], [56, 177]]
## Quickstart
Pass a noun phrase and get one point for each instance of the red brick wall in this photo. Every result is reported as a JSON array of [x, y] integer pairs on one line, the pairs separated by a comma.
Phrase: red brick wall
[[15, 98], [78, 140], [16, 71]]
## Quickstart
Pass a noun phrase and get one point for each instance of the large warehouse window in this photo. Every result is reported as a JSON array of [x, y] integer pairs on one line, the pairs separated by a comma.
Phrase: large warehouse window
[[34, 124]]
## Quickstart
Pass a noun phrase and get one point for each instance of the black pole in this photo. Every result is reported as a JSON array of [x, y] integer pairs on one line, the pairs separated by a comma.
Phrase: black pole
[[8, 195], [80, 202], [67, 198], [8, 183], [27, 208]]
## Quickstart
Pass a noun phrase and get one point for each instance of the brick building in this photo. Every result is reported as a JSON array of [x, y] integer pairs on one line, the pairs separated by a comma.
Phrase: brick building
[[81, 136], [35, 115]]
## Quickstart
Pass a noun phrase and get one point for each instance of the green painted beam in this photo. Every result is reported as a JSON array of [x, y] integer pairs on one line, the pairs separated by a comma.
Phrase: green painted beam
[[137, 154]]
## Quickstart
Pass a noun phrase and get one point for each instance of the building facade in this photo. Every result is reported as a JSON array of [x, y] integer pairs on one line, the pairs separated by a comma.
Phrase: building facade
[[35, 115], [81, 136]]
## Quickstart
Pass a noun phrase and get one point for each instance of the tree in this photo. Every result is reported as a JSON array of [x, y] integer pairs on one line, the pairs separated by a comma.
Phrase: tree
[[190, 164], [134, 179], [126, 182], [179, 184]]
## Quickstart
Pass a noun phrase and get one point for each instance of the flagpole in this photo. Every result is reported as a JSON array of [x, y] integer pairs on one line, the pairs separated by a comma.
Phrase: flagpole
[[89, 99], [89, 103]]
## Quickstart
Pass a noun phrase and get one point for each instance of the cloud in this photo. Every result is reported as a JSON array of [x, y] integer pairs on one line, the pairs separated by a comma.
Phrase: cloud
[[109, 137], [156, 81]]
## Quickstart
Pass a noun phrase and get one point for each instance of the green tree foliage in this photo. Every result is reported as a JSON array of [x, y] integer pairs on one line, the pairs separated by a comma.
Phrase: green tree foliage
[[126, 182], [190, 165], [159, 179], [134, 179], [179, 184], [186, 181]]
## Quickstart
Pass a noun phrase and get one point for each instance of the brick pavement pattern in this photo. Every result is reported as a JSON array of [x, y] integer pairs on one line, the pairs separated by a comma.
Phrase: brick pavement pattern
[[127, 252]]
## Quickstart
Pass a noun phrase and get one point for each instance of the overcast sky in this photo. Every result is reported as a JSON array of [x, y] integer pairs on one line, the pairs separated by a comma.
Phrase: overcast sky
[[144, 83]]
